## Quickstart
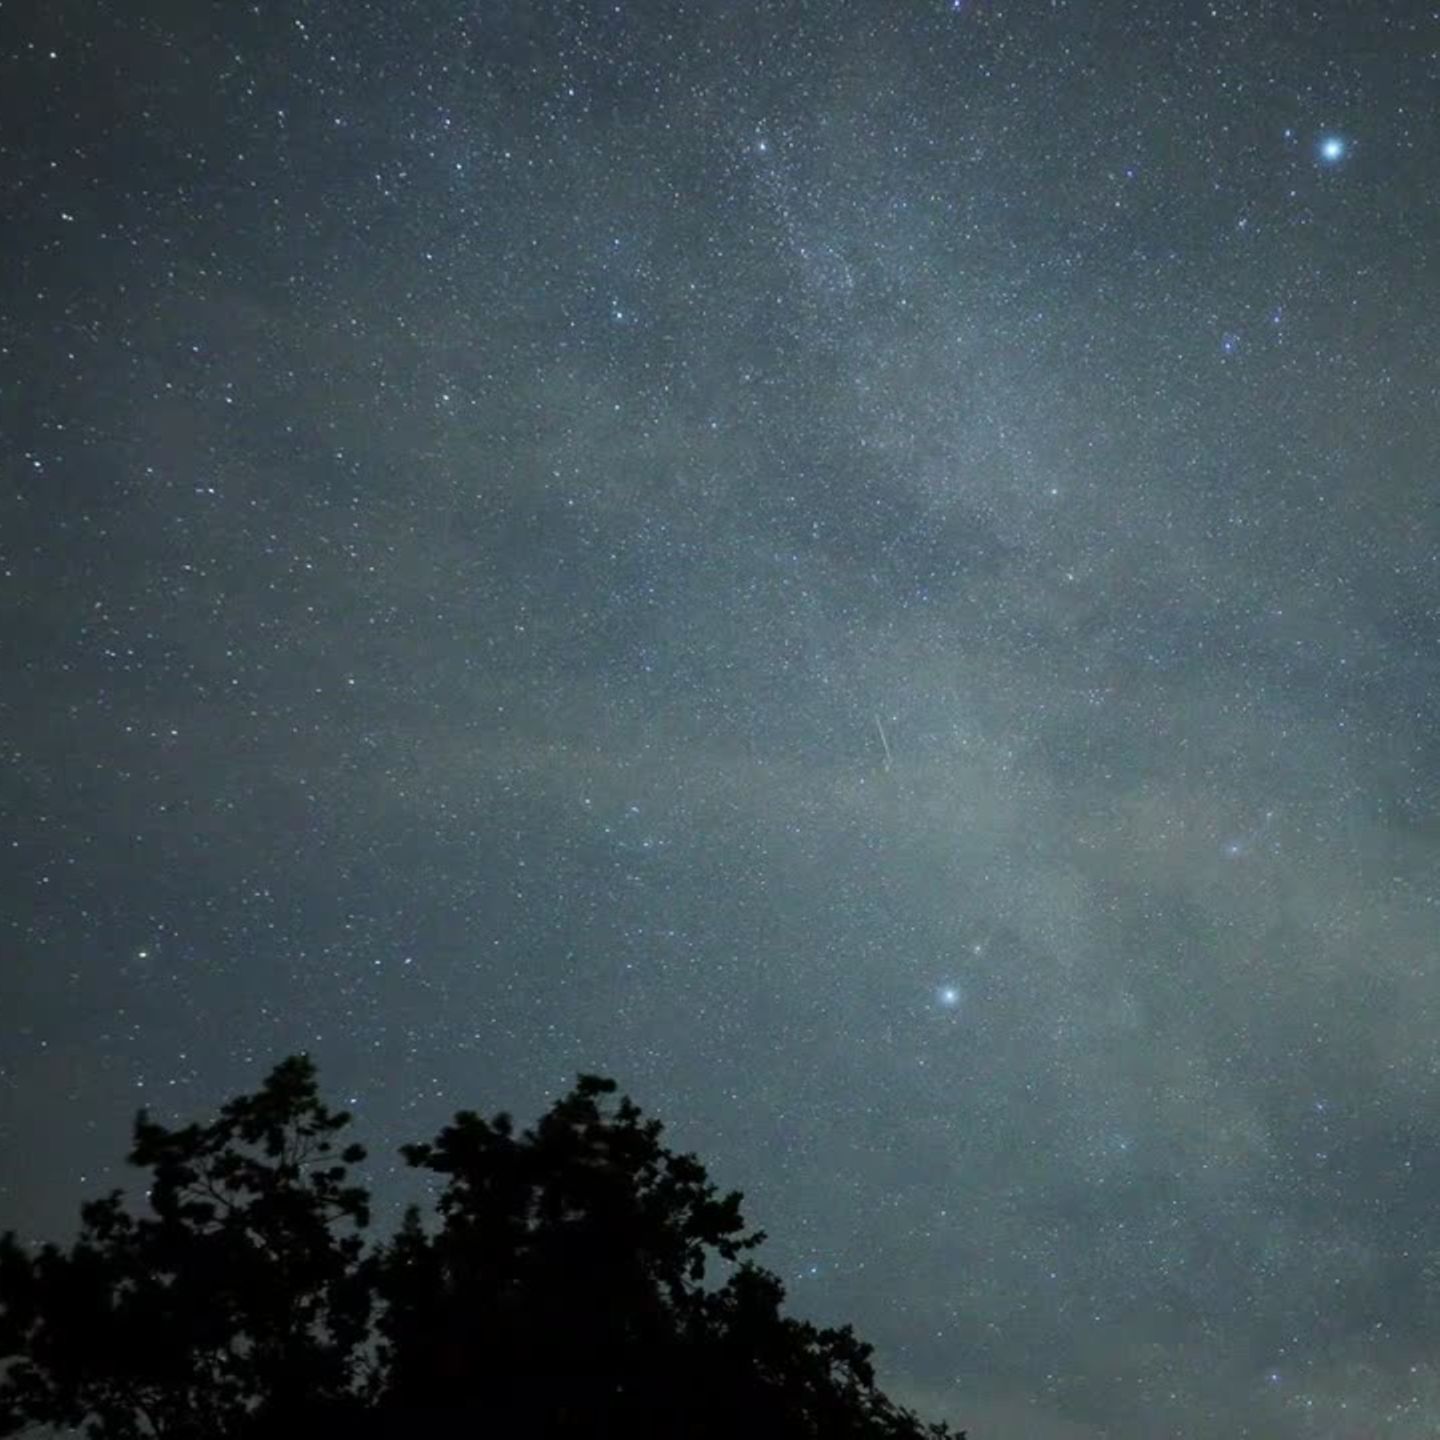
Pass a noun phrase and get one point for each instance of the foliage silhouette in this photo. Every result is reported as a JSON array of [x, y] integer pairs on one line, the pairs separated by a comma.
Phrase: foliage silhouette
[[562, 1288]]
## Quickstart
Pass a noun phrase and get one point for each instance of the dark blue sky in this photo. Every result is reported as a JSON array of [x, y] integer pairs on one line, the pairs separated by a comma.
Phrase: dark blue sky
[[479, 479]]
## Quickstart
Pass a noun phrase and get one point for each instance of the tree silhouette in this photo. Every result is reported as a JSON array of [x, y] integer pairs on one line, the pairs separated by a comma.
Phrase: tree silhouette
[[563, 1287], [239, 1299]]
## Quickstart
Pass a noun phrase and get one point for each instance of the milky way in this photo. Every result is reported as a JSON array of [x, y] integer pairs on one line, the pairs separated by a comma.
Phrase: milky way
[[868, 569]]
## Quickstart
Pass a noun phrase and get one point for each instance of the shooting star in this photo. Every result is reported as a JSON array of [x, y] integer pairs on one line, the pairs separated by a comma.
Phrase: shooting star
[[879, 725]]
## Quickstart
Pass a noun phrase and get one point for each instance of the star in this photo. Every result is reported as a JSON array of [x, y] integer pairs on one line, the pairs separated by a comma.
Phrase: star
[[948, 996], [1333, 149]]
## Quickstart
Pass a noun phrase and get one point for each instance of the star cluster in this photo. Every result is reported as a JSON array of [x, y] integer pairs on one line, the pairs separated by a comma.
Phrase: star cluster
[[867, 569]]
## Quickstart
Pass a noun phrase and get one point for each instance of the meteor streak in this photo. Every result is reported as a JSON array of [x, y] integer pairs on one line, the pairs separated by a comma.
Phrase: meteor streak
[[879, 725]]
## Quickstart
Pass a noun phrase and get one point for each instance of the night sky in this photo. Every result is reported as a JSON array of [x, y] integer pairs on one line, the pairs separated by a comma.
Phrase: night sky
[[871, 570]]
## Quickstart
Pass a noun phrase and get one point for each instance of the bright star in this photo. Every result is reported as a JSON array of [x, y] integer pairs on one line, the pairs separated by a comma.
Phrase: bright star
[[1332, 149], [948, 996]]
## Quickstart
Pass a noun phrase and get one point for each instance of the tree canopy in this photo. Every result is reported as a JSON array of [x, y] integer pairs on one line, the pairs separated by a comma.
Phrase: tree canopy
[[574, 1279]]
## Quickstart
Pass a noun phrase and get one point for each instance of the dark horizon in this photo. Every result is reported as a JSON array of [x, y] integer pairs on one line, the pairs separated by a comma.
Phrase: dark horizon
[[868, 570]]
